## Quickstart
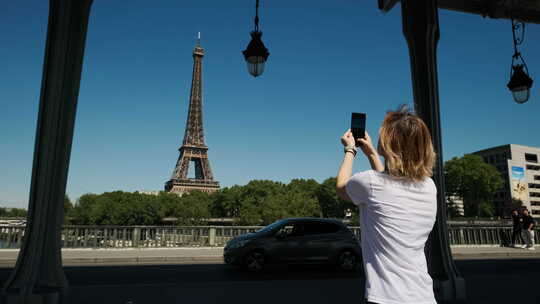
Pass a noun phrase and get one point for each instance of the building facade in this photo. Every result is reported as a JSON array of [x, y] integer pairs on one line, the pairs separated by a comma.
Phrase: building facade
[[456, 203], [520, 169], [149, 192]]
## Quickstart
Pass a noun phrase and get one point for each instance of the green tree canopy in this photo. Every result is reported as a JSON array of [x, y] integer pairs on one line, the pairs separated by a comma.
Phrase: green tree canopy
[[260, 202], [300, 185], [331, 205], [13, 212], [117, 208], [476, 182], [68, 206], [192, 208], [227, 202]]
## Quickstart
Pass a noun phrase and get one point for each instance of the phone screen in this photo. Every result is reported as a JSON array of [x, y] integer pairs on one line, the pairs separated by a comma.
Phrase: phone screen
[[358, 126]]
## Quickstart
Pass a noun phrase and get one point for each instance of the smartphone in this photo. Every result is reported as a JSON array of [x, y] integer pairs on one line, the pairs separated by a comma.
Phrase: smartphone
[[358, 126]]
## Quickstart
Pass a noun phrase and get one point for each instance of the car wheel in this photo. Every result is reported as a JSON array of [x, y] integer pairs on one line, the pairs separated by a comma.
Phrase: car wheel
[[254, 261], [347, 260]]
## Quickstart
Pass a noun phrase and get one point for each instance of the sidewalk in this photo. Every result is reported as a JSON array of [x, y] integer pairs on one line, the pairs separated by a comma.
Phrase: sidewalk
[[89, 256], [469, 253], [190, 255]]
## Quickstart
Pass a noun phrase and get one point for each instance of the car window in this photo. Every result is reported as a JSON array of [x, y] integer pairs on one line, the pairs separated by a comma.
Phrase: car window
[[321, 228], [298, 229], [271, 226], [292, 229], [286, 229]]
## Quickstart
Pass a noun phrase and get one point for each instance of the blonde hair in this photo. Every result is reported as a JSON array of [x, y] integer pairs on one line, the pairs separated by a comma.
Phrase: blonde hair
[[405, 143]]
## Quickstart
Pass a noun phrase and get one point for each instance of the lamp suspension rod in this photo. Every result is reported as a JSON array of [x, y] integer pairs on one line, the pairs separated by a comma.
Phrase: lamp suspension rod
[[257, 16], [516, 25]]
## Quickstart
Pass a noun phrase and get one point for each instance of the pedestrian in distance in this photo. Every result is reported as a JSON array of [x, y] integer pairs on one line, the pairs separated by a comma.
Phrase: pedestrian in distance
[[398, 206], [517, 224], [528, 230]]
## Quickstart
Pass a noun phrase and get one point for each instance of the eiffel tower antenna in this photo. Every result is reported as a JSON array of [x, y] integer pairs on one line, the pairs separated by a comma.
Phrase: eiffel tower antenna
[[193, 147]]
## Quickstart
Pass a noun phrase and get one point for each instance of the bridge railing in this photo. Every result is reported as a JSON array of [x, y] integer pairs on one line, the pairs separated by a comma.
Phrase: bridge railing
[[483, 235], [182, 236], [11, 236], [150, 236]]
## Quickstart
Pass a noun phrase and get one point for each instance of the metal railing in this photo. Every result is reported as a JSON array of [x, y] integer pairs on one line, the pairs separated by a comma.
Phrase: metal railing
[[150, 236], [182, 236], [473, 235], [11, 236]]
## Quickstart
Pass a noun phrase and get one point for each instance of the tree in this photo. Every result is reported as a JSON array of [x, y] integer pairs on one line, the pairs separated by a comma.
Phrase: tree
[[273, 208], [86, 210], [300, 185], [227, 202], [192, 208], [254, 198], [166, 202], [331, 205], [123, 208], [302, 204], [258, 202], [13, 212], [486, 209], [470, 178], [260, 189], [249, 213], [68, 207], [288, 204]]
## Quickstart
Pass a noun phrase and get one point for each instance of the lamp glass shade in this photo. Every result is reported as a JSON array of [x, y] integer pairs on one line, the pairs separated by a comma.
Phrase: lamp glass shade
[[255, 66], [256, 54], [521, 94], [520, 84]]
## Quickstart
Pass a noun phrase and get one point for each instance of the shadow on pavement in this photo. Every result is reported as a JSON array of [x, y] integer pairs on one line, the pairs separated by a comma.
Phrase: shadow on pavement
[[488, 281]]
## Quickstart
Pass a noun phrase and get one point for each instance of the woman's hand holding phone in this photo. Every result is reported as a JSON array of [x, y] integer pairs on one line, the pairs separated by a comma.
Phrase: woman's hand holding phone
[[371, 153], [366, 145], [347, 139], [367, 148]]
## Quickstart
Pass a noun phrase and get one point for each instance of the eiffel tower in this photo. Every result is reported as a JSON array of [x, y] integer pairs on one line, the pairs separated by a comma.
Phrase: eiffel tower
[[193, 148]]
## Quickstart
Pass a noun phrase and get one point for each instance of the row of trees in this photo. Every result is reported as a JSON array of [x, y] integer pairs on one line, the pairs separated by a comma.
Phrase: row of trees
[[260, 202], [468, 178], [12, 212]]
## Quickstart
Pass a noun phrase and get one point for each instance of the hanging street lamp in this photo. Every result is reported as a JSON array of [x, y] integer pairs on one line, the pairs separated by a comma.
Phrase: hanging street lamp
[[520, 82], [256, 53]]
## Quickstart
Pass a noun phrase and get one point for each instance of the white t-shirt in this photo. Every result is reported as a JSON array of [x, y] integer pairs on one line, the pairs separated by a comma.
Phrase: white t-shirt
[[396, 217]]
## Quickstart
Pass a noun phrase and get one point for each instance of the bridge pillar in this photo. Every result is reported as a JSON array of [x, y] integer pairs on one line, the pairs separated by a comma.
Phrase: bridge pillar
[[421, 30], [38, 276], [212, 236]]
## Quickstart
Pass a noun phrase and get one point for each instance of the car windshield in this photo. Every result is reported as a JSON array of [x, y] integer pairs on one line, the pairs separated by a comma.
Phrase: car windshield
[[272, 226]]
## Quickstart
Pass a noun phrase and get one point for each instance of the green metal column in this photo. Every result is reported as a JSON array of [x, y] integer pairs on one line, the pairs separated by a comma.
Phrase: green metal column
[[421, 30], [38, 276]]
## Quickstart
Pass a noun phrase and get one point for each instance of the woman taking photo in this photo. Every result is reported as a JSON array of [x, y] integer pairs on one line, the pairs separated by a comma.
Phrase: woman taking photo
[[398, 206]]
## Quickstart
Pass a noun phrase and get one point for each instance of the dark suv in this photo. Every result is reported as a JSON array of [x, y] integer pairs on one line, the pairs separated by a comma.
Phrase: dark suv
[[296, 240]]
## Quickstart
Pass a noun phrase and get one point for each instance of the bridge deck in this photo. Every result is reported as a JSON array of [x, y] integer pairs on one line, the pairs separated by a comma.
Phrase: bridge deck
[[189, 255]]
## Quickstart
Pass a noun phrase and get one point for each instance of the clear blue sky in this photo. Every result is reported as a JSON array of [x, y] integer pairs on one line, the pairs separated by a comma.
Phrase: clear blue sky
[[328, 58]]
